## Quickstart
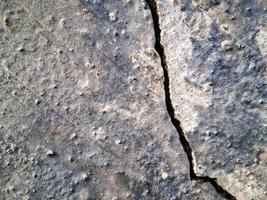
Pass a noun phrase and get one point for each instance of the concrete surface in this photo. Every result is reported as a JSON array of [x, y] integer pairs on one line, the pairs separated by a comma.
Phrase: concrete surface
[[90, 108]]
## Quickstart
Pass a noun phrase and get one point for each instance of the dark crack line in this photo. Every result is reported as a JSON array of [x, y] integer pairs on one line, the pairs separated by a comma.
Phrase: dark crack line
[[176, 123]]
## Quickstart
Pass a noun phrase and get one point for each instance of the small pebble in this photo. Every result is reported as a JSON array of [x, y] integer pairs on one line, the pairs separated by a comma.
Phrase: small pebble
[[50, 153], [117, 141], [37, 101], [73, 136], [112, 16]]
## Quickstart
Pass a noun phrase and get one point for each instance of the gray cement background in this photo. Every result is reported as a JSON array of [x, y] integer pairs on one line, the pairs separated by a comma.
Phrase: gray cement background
[[83, 111]]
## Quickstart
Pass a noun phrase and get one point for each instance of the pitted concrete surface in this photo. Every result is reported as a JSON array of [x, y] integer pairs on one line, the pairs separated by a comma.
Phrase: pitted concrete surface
[[84, 111], [216, 56]]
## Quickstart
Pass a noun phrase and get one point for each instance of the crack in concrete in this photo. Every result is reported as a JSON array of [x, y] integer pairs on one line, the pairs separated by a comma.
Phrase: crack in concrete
[[152, 4]]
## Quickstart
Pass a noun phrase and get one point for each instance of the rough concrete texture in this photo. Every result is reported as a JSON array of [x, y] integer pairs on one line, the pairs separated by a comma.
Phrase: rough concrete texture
[[84, 112], [216, 56]]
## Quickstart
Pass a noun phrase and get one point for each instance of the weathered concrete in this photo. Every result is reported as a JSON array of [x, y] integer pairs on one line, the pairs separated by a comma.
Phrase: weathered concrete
[[133, 99], [216, 57], [82, 110]]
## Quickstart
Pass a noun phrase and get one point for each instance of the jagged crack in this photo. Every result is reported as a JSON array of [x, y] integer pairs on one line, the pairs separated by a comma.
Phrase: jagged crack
[[186, 146]]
